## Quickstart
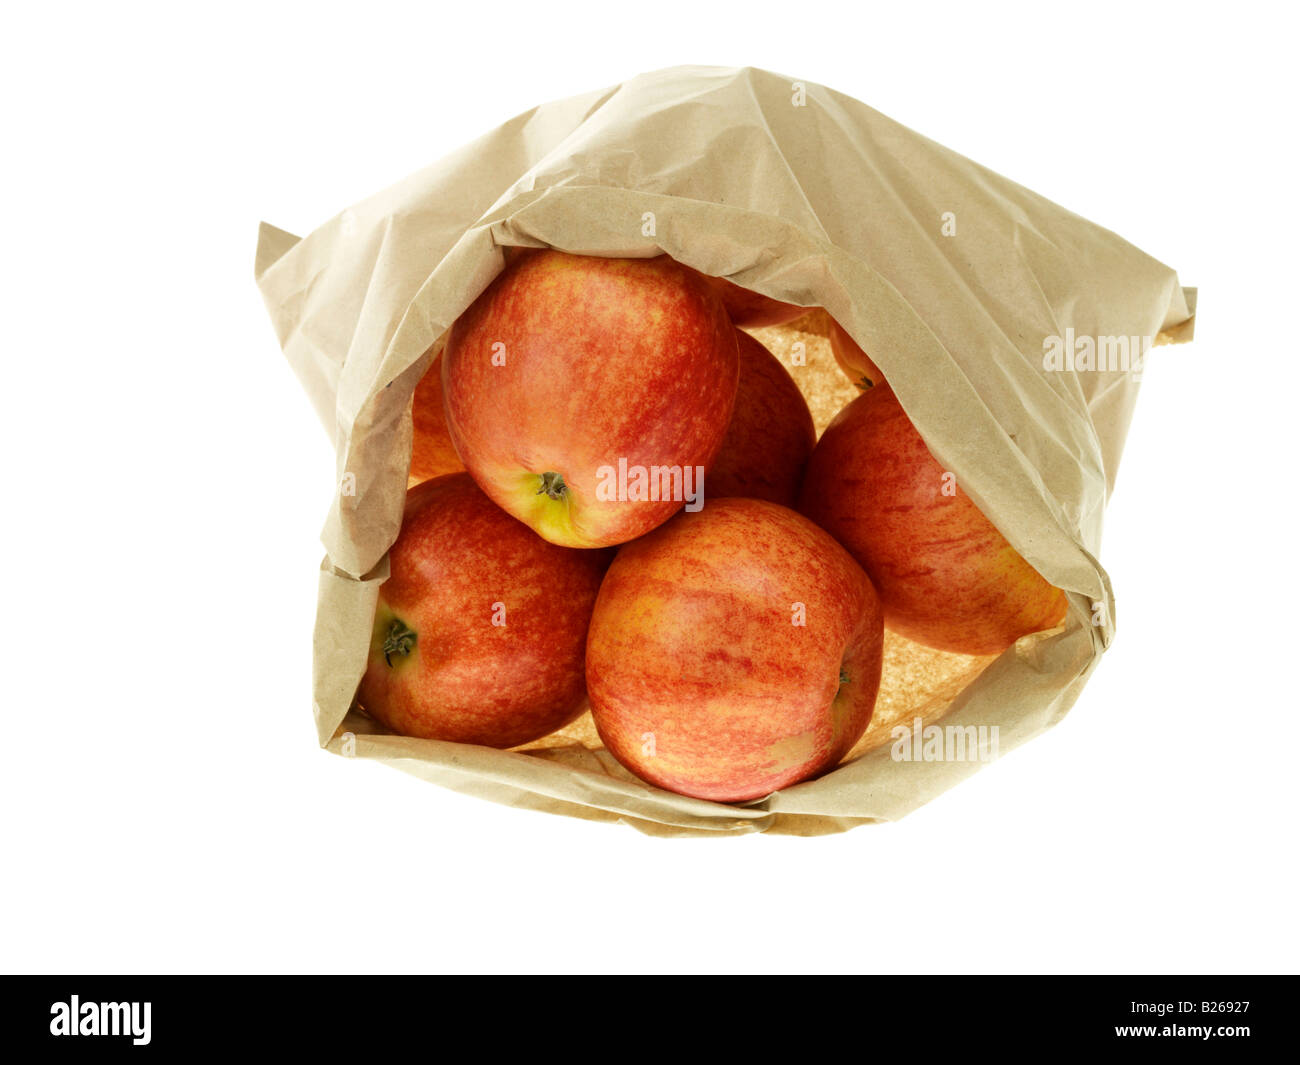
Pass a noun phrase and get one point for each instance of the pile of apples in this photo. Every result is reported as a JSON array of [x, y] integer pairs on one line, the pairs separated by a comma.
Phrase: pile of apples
[[623, 501]]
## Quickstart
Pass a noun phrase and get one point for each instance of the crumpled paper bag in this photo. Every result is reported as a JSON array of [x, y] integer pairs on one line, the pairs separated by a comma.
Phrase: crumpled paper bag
[[964, 287]]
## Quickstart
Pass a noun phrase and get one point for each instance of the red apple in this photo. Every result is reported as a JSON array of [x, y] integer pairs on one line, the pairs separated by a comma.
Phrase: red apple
[[770, 436], [733, 652], [585, 395], [853, 360], [432, 452], [752, 309], [946, 576], [480, 631]]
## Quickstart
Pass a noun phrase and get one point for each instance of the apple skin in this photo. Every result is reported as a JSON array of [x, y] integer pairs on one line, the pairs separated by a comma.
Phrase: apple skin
[[853, 360], [699, 681], [770, 436], [432, 452], [752, 309], [604, 359], [946, 576], [459, 677]]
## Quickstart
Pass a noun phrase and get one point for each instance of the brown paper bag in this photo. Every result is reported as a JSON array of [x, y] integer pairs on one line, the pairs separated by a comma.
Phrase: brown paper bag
[[965, 288]]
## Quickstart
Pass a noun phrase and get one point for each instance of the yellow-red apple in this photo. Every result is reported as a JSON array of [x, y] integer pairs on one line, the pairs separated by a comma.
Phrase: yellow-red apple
[[481, 627], [770, 436], [752, 309], [733, 652], [946, 576], [853, 360], [587, 395], [432, 452]]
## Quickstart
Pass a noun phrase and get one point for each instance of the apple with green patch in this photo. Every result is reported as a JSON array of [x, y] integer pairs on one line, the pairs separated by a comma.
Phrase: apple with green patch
[[569, 367], [480, 632]]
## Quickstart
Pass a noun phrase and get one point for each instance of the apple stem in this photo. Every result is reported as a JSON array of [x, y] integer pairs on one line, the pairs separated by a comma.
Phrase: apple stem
[[552, 485], [399, 640], [844, 678]]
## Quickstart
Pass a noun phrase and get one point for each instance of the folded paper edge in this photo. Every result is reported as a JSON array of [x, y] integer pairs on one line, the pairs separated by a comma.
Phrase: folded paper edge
[[272, 244], [1182, 332]]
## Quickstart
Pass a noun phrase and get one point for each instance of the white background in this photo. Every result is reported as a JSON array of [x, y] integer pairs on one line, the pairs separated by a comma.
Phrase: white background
[[165, 806]]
